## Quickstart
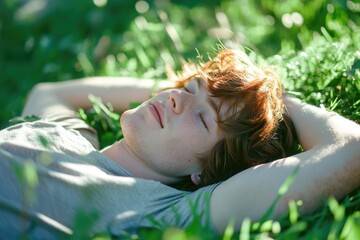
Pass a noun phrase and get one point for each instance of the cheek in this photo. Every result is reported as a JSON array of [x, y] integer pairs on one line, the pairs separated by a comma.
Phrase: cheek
[[179, 151], [188, 141], [191, 125], [181, 158], [175, 147], [196, 137]]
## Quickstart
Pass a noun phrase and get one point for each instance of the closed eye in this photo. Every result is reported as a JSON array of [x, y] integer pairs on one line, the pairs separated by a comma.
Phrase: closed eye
[[203, 122], [200, 115]]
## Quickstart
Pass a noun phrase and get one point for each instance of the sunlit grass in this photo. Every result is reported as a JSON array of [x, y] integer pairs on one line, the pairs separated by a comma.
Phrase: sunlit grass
[[318, 59]]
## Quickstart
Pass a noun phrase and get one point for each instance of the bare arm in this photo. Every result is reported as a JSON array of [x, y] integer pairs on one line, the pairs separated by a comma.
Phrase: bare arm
[[330, 165], [64, 97]]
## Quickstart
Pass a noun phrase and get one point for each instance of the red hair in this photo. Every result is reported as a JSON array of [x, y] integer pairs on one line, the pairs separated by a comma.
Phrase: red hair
[[256, 128]]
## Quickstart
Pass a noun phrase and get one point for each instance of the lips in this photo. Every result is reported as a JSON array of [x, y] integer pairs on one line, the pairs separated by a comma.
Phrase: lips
[[157, 110]]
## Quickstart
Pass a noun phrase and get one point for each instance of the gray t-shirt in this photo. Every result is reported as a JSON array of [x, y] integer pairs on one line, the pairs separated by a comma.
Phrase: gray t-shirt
[[53, 179]]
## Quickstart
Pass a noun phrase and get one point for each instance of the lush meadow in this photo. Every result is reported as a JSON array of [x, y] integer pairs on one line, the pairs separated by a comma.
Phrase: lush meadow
[[313, 45]]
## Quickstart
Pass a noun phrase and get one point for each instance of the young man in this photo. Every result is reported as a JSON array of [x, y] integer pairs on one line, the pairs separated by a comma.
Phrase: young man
[[225, 107]]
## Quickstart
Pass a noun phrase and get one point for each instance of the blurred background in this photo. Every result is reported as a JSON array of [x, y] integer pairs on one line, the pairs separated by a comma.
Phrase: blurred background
[[56, 40]]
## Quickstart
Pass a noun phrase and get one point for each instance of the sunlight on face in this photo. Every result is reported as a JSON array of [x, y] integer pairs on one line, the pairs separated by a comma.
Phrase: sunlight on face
[[171, 130]]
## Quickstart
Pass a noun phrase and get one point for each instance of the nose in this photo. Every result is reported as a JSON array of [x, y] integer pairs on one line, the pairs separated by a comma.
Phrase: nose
[[178, 100]]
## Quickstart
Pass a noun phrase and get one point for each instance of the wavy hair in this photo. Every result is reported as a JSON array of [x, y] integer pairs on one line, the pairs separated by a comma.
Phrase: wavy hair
[[257, 129]]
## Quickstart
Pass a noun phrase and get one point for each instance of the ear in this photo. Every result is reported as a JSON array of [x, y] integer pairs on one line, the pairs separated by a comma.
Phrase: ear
[[195, 178]]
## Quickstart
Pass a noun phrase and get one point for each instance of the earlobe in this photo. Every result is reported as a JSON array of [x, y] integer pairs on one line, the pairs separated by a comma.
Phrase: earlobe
[[195, 178]]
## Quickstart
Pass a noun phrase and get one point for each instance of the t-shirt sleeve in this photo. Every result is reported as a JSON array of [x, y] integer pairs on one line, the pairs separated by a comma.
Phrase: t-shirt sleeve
[[73, 122], [171, 207]]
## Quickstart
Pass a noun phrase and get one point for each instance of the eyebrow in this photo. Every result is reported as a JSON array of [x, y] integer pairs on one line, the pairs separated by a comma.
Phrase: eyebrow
[[209, 99]]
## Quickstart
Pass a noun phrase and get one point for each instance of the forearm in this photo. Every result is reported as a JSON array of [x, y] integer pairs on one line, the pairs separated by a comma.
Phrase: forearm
[[73, 94], [330, 165]]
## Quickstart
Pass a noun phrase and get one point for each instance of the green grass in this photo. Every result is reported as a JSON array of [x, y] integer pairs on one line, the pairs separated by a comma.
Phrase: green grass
[[318, 59]]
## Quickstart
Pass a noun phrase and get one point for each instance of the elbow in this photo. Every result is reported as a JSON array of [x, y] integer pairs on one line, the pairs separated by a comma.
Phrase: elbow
[[354, 140], [38, 90], [341, 131], [41, 87], [350, 133], [36, 98]]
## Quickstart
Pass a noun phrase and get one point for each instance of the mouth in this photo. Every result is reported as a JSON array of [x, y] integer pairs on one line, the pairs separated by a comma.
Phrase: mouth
[[156, 110]]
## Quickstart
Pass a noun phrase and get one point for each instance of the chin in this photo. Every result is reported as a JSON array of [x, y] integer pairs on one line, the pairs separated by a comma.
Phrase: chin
[[131, 129], [129, 121]]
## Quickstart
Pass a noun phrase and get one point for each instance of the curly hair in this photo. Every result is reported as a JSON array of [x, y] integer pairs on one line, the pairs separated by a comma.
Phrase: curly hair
[[257, 129]]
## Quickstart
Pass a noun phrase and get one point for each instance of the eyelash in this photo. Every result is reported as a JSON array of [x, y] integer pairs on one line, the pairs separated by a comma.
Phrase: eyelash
[[203, 121], [201, 117]]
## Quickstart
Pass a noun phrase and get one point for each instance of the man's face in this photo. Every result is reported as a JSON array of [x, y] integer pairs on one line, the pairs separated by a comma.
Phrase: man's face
[[169, 131]]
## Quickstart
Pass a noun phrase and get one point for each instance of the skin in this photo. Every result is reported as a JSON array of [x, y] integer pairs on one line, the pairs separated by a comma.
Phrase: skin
[[168, 147], [329, 166], [150, 147]]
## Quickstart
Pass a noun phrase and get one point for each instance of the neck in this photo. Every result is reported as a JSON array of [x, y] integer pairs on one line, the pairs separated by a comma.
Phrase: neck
[[122, 154]]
